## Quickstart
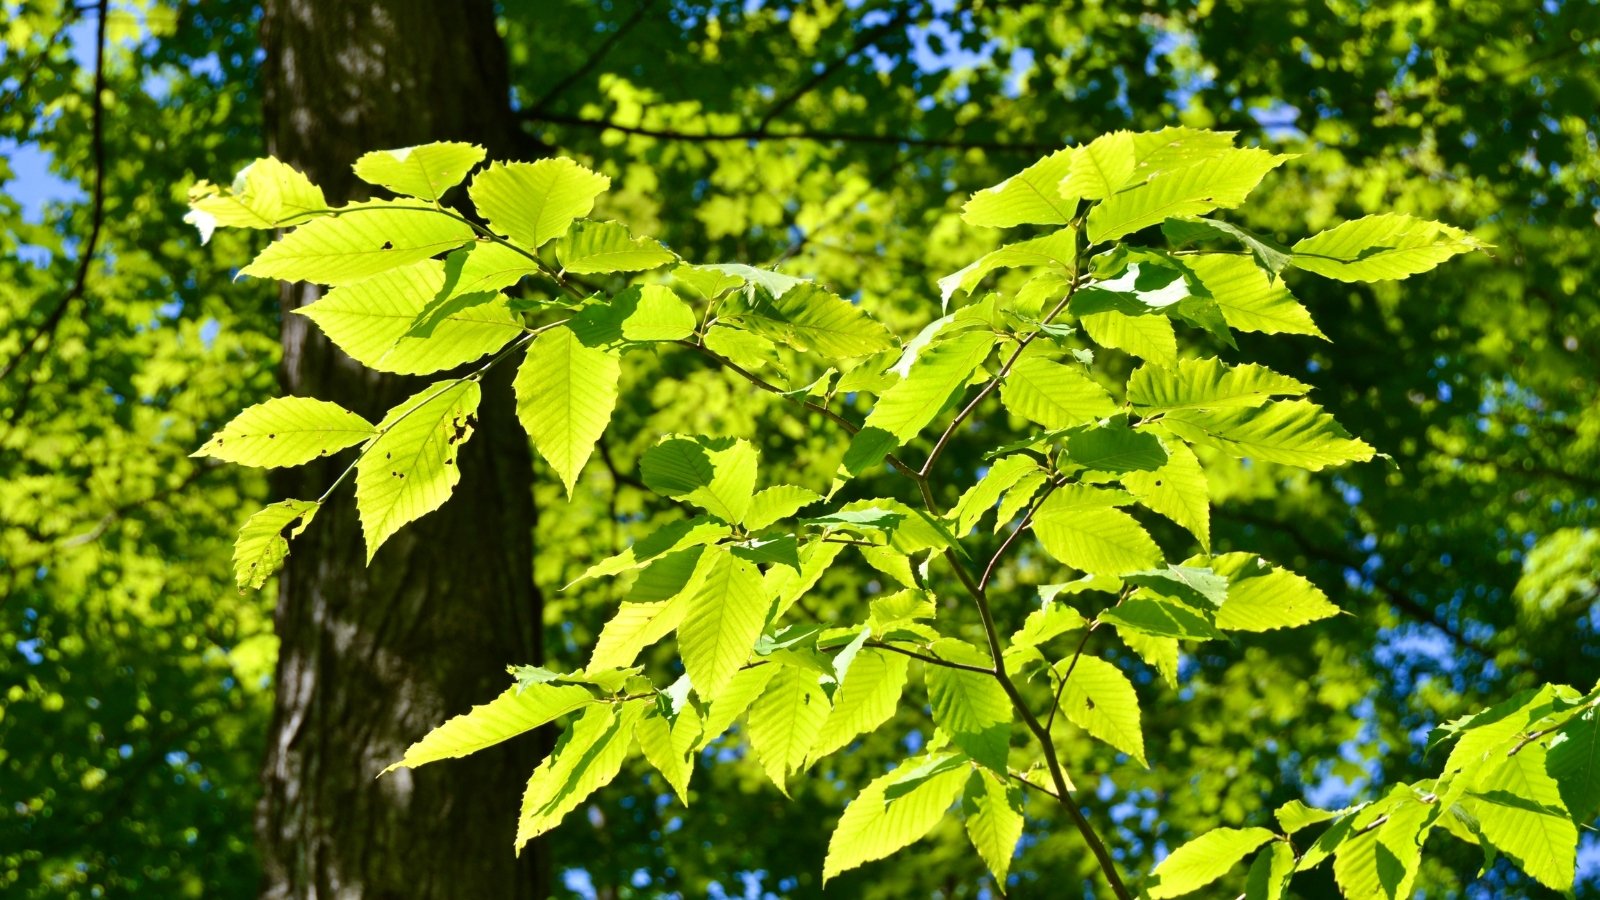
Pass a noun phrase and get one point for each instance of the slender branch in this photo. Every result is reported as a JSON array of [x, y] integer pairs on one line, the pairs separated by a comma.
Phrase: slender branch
[[1027, 520], [819, 136], [1000, 376], [599, 54], [69, 15], [1061, 687], [48, 328], [930, 660]]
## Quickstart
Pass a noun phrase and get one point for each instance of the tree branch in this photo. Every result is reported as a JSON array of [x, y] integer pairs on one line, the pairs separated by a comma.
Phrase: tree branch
[[52, 321], [600, 52], [862, 41], [753, 135]]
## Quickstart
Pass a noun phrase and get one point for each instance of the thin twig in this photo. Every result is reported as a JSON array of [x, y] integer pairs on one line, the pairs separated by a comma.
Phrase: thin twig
[[820, 136], [600, 52]]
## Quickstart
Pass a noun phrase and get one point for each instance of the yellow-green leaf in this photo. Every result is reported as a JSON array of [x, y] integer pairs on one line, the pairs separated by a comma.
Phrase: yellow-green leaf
[[410, 470], [874, 825], [1204, 860], [724, 619], [263, 542], [359, 242], [424, 172], [1099, 699], [585, 759], [531, 203], [517, 711], [287, 431], [565, 394]]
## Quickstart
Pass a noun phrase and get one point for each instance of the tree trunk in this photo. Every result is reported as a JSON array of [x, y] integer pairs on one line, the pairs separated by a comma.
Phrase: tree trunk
[[373, 657]]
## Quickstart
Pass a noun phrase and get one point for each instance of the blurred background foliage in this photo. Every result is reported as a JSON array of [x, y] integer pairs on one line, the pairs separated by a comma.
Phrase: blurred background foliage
[[838, 140]]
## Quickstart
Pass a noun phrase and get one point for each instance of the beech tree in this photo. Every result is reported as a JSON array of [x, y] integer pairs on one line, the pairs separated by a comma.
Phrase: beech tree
[[1073, 465]]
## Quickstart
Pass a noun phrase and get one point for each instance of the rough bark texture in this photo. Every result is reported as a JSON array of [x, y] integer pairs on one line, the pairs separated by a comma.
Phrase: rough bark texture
[[372, 658]]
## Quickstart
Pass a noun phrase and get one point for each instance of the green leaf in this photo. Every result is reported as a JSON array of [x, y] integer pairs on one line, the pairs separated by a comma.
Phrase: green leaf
[[1381, 248], [1267, 253], [785, 721], [565, 395], [981, 497], [741, 691], [1292, 432], [810, 318], [1099, 699], [1177, 490], [1116, 448], [1098, 541], [287, 431], [264, 194], [1158, 616], [358, 242], [373, 320], [1057, 250], [517, 711], [635, 627], [1519, 811], [1207, 384], [874, 825], [1263, 598], [425, 172], [263, 542], [781, 501], [668, 745], [724, 619], [1219, 181], [586, 758], [1019, 496], [1269, 875], [941, 370], [970, 707], [657, 315], [1101, 167], [1382, 862], [1159, 653], [1296, 816], [1147, 337], [667, 539], [707, 281], [598, 247], [864, 700], [1574, 762], [1053, 394], [775, 283], [1176, 147], [787, 586], [1249, 301], [716, 474], [410, 470], [1030, 197], [1204, 860], [992, 808], [534, 202]]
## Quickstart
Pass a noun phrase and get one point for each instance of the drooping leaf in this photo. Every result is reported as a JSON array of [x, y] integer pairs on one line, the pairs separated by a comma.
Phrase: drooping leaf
[[287, 431], [668, 744], [517, 711], [1204, 860], [1381, 861], [741, 691], [1116, 448], [723, 621], [1207, 384], [1218, 181], [358, 242], [1053, 394], [410, 470], [1031, 197], [565, 394], [1099, 699], [1157, 616], [874, 826], [1269, 875], [668, 539], [263, 542], [1574, 762], [1292, 432], [425, 172], [864, 700], [588, 755], [372, 321], [1519, 810], [1177, 490], [1383, 247], [969, 706], [992, 809], [716, 474], [591, 247], [785, 721], [1267, 253], [531, 203]]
